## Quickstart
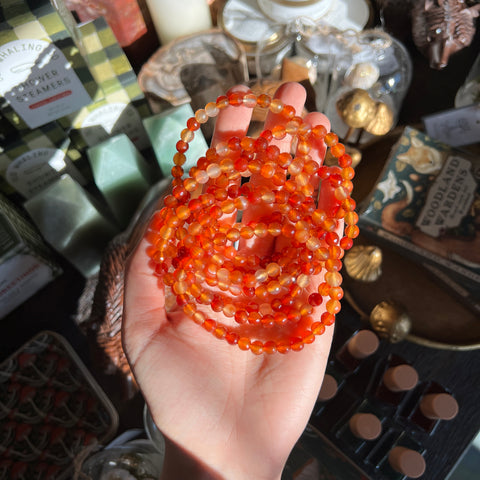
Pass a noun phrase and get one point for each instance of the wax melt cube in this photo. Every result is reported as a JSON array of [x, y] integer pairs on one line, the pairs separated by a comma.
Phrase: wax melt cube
[[121, 174], [164, 132], [72, 223]]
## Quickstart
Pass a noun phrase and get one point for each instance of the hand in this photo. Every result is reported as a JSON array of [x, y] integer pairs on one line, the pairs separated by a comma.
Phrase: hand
[[225, 413]]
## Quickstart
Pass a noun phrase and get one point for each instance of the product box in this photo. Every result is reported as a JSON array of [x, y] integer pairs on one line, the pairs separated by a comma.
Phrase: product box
[[35, 159], [43, 73], [426, 204], [26, 263], [120, 106]]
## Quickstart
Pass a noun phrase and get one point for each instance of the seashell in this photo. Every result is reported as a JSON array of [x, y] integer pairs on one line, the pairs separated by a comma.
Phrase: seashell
[[382, 122], [362, 75], [390, 320], [356, 108], [364, 263]]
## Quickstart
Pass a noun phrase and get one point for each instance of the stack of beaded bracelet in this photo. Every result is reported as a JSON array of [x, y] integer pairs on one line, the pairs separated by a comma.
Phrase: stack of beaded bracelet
[[268, 302]]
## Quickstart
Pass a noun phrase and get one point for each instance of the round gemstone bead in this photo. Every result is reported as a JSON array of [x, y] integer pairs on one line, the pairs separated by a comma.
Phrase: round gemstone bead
[[193, 240]]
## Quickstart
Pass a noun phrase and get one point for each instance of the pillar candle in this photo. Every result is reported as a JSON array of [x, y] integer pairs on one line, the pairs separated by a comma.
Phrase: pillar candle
[[173, 19]]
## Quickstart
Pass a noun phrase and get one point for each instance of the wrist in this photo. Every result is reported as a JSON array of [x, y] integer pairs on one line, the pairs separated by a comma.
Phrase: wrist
[[179, 463]]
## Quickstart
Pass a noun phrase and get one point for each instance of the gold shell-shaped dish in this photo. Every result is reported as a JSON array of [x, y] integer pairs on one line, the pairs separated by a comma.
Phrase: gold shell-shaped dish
[[356, 108], [364, 263]]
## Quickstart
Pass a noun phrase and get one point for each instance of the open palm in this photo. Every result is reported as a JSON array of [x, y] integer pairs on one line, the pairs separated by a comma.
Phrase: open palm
[[235, 414]]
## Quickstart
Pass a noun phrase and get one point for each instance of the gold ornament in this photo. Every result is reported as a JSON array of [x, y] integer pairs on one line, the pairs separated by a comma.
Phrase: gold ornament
[[390, 320], [364, 263], [382, 121], [356, 108]]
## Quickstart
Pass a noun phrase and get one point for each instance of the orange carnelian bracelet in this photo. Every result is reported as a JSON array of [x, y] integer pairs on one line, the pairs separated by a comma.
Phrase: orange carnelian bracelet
[[269, 301]]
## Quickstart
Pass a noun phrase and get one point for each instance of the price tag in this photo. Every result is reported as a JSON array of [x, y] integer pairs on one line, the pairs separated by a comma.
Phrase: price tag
[[460, 126]]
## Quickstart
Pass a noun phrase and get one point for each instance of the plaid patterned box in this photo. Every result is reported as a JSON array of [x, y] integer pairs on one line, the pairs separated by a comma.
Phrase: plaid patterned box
[[121, 105], [43, 73], [26, 262], [37, 158]]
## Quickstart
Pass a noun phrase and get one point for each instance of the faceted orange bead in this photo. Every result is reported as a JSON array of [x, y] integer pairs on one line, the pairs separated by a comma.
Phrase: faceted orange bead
[[276, 105], [236, 98], [319, 131], [256, 347], [261, 292], [346, 243], [220, 332], [296, 344], [334, 279], [222, 101], [336, 293], [345, 161], [328, 319], [232, 338], [288, 111], [352, 231], [331, 139], [260, 230], [333, 306], [318, 328], [337, 150], [209, 325], [283, 347], [278, 132], [250, 100], [243, 343], [269, 347]]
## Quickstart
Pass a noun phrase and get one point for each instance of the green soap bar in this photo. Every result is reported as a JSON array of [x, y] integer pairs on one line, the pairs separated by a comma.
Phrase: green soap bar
[[164, 131], [72, 224], [121, 174]]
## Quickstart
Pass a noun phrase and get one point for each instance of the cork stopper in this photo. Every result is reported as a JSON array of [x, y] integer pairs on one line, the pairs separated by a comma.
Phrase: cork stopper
[[439, 406], [363, 344], [329, 388], [407, 462], [400, 378], [365, 426]]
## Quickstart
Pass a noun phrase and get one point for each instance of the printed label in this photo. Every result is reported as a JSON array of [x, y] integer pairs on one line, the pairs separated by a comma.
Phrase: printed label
[[33, 171], [39, 82], [20, 277], [449, 199], [112, 119]]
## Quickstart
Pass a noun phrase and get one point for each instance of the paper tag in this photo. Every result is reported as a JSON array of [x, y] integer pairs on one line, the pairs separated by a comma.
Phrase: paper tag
[[460, 126]]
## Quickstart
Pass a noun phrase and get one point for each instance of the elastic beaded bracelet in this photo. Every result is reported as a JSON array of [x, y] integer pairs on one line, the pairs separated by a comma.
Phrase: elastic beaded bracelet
[[193, 238]]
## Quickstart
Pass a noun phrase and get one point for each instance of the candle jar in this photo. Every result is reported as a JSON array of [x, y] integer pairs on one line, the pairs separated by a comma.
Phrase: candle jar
[[265, 42], [285, 10], [179, 18]]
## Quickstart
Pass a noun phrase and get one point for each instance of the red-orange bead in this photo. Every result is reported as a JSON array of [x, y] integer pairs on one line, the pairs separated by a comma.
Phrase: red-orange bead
[[318, 328], [243, 343], [191, 240]]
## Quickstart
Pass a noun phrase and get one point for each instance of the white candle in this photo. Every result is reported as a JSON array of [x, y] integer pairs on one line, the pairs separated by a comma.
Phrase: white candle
[[173, 19]]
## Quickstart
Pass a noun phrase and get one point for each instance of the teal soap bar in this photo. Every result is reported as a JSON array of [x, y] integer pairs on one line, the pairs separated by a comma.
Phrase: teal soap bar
[[121, 174], [164, 131], [71, 222]]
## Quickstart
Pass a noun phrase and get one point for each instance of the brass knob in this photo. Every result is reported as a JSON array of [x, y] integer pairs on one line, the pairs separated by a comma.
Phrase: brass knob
[[391, 321]]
